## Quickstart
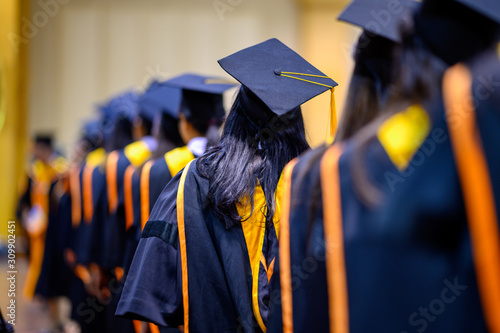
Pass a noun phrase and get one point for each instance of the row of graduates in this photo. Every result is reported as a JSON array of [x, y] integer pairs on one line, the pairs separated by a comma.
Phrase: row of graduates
[[96, 204], [392, 227]]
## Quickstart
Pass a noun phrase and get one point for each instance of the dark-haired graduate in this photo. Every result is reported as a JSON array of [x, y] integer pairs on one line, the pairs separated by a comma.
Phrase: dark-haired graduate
[[116, 134], [162, 103], [369, 89], [118, 164], [90, 212], [89, 209], [200, 110], [371, 78], [34, 211], [191, 110], [207, 253], [70, 226], [391, 242]]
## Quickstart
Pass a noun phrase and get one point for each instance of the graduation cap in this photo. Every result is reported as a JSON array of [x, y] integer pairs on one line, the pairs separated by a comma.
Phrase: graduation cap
[[379, 17], [457, 30], [92, 130], [44, 139], [488, 8], [160, 97], [278, 77], [124, 105], [201, 96]]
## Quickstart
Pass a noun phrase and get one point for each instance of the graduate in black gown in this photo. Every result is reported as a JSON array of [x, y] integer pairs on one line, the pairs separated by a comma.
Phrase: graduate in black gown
[[207, 253], [377, 230], [162, 103], [201, 112], [96, 310], [199, 100], [121, 165], [370, 85], [73, 217]]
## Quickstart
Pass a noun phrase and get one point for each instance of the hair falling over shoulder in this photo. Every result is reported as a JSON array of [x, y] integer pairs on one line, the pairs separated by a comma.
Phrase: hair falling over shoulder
[[250, 155]]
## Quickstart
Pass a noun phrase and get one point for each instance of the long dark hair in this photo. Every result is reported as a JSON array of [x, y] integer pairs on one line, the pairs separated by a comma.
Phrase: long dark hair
[[205, 112], [369, 83], [250, 153], [417, 80]]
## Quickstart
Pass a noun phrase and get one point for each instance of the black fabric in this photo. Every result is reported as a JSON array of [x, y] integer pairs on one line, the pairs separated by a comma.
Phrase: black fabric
[[153, 286], [379, 17], [219, 271], [55, 276], [166, 232], [455, 32], [114, 230], [408, 260]]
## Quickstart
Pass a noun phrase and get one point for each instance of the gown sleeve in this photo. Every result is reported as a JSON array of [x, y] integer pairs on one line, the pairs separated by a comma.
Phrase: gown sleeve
[[153, 290]]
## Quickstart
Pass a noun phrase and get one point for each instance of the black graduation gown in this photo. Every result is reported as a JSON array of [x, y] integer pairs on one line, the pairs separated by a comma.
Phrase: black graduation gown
[[407, 262], [119, 166], [486, 91], [88, 248], [216, 265], [114, 232], [55, 276]]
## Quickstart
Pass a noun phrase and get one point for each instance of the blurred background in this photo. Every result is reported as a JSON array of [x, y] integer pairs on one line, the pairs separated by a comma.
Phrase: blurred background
[[60, 58]]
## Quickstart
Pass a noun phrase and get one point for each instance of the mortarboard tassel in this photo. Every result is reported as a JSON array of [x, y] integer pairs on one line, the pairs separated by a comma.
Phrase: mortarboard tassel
[[333, 119], [333, 111]]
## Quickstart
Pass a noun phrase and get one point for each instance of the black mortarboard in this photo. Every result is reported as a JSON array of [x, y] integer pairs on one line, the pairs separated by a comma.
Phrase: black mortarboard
[[201, 96], [123, 105], [160, 97], [380, 17], [278, 76], [92, 131], [488, 8], [457, 30]]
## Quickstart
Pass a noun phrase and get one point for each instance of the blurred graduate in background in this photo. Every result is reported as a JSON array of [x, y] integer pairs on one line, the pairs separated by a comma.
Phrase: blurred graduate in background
[[36, 213], [200, 107]]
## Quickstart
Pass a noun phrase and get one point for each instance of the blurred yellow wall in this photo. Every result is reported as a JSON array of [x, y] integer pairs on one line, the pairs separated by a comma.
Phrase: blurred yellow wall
[[88, 50], [13, 77], [326, 43]]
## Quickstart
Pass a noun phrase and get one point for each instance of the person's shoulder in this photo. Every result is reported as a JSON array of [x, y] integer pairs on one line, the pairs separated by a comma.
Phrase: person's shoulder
[[157, 166], [177, 159], [193, 173], [309, 163], [310, 158]]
